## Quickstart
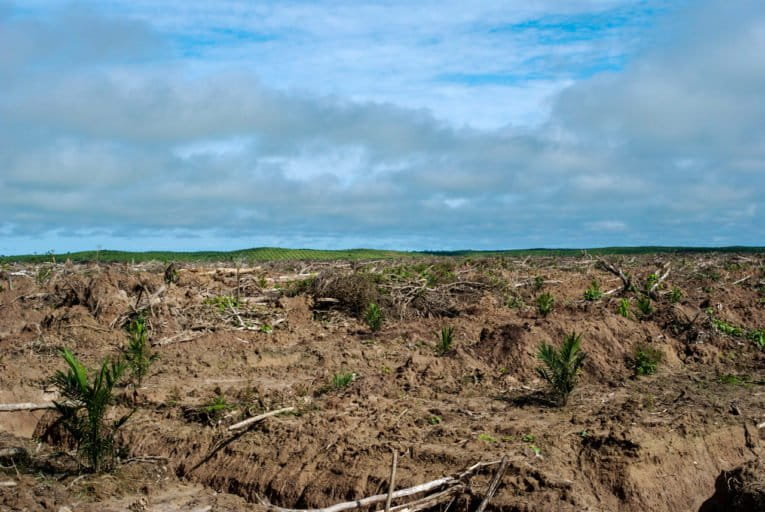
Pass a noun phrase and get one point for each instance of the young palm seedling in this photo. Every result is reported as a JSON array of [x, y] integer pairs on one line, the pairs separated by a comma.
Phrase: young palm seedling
[[561, 366], [342, 380], [85, 406], [545, 304], [593, 292], [675, 295], [374, 317], [644, 306], [624, 307], [445, 340], [646, 360], [138, 355]]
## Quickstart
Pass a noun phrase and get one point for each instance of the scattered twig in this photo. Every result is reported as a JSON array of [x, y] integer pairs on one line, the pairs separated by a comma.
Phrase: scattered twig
[[181, 337], [92, 327], [71, 484], [146, 458], [392, 482]]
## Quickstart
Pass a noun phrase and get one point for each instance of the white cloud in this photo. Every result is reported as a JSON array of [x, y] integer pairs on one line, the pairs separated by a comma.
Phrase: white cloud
[[665, 151]]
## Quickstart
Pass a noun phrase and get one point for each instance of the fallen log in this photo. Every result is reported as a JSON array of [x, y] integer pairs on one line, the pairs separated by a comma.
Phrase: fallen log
[[447, 481], [26, 406], [29, 406]]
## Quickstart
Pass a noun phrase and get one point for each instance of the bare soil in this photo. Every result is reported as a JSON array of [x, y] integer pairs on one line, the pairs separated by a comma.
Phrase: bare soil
[[689, 437]]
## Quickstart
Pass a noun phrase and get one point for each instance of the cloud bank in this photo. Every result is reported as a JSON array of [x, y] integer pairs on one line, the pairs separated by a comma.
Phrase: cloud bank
[[128, 131]]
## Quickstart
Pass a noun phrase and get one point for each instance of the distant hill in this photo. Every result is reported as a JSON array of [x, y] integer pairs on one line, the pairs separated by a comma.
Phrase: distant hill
[[280, 254]]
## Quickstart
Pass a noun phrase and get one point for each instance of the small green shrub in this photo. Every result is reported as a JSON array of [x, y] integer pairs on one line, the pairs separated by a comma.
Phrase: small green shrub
[[646, 360], [735, 380], [545, 304], [373, 317], [513, 302], [644, 305], [624, 307], [292, 288], [445, 340], [213, 411], [726, 328], [651, 280], [593, 292], [539, 283], [172, 276], [758, 337], [342, 380], [138, 355], [43, 275], [223, 303], [85, 408], [675, 295], [487, 438], [561, 366]]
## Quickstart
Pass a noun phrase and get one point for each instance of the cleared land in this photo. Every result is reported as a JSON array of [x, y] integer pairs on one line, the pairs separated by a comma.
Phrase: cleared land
[[254, 337]]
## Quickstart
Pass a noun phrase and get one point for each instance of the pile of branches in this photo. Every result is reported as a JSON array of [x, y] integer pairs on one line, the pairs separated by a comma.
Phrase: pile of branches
[[400, 294], [431, 300]]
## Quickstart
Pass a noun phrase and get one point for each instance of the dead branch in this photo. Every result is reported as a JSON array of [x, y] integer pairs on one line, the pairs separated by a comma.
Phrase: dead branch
[[260, 417], [654, 286], [27, 406], [430, 501], [392, 480], [176, 338], [530, 282], [85, 326], [626, 278], [236, 314], [493, 485]]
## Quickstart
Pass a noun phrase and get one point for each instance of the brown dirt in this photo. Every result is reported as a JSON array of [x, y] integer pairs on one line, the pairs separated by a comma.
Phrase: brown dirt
[[683, 439]]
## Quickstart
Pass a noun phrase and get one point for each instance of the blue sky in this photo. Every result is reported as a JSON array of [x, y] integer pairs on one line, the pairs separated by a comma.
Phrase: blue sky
[[151, 124]]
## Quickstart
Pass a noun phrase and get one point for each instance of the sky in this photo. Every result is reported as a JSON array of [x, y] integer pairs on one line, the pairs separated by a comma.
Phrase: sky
[[413, 125]]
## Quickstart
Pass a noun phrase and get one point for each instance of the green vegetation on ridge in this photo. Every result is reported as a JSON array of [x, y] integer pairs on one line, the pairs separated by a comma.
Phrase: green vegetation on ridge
[[281, 254]]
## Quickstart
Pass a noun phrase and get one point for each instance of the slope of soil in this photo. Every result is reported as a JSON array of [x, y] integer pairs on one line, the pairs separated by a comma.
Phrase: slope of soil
[[683, 439]]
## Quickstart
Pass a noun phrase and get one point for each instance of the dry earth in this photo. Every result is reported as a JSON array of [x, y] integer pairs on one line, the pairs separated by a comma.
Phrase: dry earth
[[689, 437]]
